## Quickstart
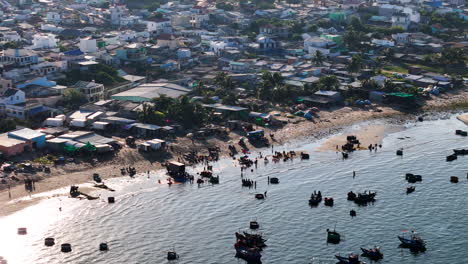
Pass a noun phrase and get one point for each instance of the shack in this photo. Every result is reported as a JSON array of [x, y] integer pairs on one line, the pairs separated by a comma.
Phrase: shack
[[11, 146], [175, 168], [229, 112], [321, 99], [38, 139], [145, 130]]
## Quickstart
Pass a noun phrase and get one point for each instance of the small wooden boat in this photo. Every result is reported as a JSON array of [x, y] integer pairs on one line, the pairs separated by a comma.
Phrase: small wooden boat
[[103, 247], [460, 152], [274, 180], [352, 213], [454, 179], [351, 259], [365, 197], [66, 247], [451, 157], [254, 225], [351, 196], [260, 196], [214, 179], [110, 199], [414, 242], [412, 178], [251, 255], [315, 198], [206, 174], [399, 152], [22, 231], [50, 241], [410, 189], [304, 156], [172, 255], [97, 178], [373, 253], [333, 237], [328, 201]]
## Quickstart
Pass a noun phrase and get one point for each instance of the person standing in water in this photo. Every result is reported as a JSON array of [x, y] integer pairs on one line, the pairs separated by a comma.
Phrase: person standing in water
[[354, 174]]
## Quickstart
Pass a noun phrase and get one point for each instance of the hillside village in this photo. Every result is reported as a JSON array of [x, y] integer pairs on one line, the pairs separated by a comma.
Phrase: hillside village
[[96, 76]]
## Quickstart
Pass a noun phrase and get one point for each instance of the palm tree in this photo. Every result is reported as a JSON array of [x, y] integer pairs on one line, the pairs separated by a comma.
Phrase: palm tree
[[318, 59], [356, 63], [224, 81], [329, 82]]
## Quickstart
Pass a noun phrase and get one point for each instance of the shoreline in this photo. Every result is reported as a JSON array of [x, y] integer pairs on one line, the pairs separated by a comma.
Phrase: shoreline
[[331, 122]]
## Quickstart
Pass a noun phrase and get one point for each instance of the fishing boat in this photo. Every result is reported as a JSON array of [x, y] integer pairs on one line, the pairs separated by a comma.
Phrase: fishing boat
[[172, 255], [351, 259], [260, 196], [413, 242], [333, 237], [103, 247], [274, 180], [251, 255], [410, 189], [206, 174], [328, 201], [365, 197], [451, 157], [352, 213], [214, 179], [373, 253], [315, 198], [351, 196], [412, 178]]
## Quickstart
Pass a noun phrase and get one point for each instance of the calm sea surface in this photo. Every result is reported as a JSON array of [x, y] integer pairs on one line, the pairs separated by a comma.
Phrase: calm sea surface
[[149, 218]]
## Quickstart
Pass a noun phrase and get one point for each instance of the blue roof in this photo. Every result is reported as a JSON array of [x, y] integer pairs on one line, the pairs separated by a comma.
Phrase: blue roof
[[75, 52]]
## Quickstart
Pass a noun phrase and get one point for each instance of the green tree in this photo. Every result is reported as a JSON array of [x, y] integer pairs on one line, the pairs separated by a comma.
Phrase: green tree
[[356, 64], [329, 82], [73, 99], [318, 58], [224, 81]]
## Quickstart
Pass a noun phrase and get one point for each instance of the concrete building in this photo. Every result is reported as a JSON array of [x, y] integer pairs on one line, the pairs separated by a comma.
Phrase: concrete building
[[11, 147], [88, 45], [20, 57], [92, 90], [53, 17], [44, 41]]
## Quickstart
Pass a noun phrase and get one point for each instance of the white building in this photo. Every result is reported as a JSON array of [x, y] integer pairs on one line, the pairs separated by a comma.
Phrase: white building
[[403, 38], [88, 45], [401, 20], [383, 42], [117, 12], [44, 41], [53, 17], [159, 26], [10, 36]]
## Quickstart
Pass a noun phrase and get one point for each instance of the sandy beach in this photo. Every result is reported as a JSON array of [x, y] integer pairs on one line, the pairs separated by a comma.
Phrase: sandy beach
[[330, 122]]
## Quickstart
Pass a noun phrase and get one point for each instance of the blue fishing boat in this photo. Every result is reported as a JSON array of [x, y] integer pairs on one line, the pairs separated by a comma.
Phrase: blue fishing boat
[[373, 253], [251, 255], [414, 242], [351, 259]]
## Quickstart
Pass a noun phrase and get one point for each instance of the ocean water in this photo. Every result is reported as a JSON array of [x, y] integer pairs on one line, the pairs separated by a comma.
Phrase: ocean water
[[150, 218]]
